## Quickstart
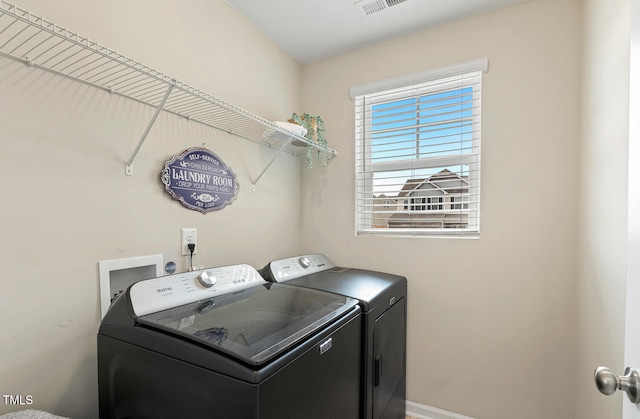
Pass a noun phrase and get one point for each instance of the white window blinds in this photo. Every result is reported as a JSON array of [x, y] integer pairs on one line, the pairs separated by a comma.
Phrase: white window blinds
[[418, 153]]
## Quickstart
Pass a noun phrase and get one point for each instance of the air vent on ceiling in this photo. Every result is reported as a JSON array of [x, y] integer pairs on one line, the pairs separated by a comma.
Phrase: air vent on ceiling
[[368, 7]]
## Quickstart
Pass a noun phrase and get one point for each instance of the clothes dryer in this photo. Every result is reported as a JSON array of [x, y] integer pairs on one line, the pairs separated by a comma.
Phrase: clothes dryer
[[383, 299]]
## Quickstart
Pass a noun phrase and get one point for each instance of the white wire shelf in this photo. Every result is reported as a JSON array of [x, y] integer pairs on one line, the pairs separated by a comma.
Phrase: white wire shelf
[[40, 43]]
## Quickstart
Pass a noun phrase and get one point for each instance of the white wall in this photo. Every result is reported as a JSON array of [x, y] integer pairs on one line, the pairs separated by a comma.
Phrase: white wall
[[67, 203], [491, 328], [603, 217]]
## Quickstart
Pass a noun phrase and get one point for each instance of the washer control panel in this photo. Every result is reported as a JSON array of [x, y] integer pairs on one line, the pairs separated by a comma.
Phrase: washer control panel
[[165, 292], [294, 267]]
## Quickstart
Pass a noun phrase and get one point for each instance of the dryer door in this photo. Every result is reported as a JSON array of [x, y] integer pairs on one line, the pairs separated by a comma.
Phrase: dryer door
[[389, 347]]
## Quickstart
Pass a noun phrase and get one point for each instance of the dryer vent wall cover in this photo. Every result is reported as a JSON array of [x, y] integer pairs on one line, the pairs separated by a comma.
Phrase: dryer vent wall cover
[[368, 7]]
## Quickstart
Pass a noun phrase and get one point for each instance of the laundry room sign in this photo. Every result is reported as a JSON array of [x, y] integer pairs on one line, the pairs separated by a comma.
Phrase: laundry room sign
[[200, 180]]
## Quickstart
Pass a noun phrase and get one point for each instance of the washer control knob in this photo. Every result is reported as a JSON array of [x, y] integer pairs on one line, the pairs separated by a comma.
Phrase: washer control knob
[[206, 280], [304, 262]]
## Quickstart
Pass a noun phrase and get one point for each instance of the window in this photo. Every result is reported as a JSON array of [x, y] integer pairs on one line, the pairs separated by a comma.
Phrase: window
[[459, 202], [418, 145], [435, 204]]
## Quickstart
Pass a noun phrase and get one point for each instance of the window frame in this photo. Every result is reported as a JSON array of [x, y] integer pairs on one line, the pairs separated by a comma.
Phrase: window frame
[[368, 95]]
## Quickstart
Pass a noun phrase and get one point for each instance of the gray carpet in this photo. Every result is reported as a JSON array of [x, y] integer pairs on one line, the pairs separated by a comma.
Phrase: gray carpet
[[30, 414]]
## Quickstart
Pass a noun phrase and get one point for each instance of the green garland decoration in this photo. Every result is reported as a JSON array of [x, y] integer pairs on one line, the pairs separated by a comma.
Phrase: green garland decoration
[[315, 135]]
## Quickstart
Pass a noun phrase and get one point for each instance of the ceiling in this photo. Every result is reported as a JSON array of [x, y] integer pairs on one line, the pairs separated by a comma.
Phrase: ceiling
[[311, 30]]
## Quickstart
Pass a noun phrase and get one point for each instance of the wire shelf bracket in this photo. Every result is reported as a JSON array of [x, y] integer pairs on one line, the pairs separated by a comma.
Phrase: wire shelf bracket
[[284, 145], [128, 166], [44, 45]]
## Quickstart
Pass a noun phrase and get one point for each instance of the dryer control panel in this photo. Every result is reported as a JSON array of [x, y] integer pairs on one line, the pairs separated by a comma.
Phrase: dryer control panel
[[297, 266], [157, 294]]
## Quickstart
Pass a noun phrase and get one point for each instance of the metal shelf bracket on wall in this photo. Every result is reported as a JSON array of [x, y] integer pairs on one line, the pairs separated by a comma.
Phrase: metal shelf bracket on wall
[[43, 45], [128, 168], [284, 145]]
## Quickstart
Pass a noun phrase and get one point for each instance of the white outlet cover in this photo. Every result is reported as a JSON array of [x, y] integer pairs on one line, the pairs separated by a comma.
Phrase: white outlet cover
[[188, 235]]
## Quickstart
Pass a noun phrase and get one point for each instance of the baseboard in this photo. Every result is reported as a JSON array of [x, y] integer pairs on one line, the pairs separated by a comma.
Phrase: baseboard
[[421, 411]]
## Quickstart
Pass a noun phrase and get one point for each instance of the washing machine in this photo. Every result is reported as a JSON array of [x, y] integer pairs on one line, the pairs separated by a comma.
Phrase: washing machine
[[224, 343], [383, 300]]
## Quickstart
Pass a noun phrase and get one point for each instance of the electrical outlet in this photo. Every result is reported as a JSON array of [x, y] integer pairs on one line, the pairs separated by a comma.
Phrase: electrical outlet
[[189, 235]]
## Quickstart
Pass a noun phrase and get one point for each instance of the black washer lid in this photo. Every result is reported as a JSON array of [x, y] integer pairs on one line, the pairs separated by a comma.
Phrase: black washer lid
[[255, 324]]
